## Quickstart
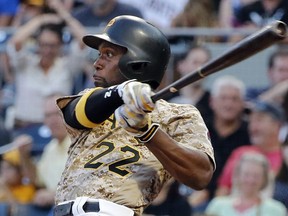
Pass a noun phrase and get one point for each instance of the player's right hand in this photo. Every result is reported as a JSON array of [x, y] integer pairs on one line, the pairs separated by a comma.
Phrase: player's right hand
[[138, 124], [137, 96], [133, 121]]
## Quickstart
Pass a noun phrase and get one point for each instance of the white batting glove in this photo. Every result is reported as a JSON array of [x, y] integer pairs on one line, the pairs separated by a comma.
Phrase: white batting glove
[[138, 123], [137, 96]]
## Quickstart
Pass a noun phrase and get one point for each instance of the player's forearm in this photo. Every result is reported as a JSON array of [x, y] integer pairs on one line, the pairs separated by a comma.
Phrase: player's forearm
[[92, 108], [191, 167]]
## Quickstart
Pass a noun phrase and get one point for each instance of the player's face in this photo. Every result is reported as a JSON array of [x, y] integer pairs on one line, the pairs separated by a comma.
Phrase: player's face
[[107, 71]]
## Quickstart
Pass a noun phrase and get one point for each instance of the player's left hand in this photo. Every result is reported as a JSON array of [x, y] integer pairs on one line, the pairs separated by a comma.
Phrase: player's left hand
[[137, 96]]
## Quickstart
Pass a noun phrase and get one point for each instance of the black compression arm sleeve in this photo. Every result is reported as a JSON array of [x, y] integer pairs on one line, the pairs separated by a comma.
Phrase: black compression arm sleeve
[[98, 107]]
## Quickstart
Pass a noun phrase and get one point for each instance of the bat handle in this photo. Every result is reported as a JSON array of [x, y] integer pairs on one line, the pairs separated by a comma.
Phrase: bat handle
[[163, 93], [154, 98]]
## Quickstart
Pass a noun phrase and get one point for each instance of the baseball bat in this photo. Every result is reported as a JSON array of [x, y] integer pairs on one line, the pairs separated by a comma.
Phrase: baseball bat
[[243, 49]]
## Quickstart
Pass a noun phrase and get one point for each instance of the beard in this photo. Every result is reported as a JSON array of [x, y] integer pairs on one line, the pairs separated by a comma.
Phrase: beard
[[101, 82]]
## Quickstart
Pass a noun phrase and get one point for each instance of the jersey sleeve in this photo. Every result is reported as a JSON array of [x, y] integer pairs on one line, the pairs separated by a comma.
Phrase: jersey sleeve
[[185, 125]]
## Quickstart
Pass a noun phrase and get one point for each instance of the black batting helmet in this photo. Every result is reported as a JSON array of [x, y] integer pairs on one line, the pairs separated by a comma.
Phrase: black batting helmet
[[148, 50]]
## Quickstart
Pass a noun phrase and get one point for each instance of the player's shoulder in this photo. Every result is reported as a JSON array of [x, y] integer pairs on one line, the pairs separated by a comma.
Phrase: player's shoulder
[[162, 102], [167, 112], [165, 106], [63, 101]]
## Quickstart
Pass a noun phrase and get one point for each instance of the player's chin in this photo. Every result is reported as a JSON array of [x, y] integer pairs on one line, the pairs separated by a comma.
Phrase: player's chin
[[101, 84]]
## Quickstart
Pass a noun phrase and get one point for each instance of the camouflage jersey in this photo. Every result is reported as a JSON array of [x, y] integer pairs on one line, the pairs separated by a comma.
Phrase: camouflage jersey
[[106, 162]]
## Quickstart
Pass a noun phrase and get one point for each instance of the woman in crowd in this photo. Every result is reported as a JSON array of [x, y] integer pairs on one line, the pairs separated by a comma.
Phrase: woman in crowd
[[15, 188], [251, 176]]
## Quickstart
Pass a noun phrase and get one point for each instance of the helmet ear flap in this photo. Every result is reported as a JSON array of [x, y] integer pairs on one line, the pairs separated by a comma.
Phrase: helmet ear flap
[[134, 67], [137, 67]]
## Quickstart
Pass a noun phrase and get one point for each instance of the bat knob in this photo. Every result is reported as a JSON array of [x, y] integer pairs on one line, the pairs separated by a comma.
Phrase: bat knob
[[280, 28]]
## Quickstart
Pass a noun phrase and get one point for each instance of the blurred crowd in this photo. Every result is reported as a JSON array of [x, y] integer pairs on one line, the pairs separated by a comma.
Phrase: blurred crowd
[[42, 57]]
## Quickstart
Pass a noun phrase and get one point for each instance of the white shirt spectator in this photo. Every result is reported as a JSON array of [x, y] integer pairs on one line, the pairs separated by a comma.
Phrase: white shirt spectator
[[160, 12], [32, 84]]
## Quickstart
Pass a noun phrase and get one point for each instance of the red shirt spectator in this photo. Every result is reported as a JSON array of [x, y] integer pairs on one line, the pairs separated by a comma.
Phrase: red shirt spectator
[[265, 122]]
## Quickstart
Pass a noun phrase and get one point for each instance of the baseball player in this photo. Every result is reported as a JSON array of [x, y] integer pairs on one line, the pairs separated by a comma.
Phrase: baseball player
[[124, 146]]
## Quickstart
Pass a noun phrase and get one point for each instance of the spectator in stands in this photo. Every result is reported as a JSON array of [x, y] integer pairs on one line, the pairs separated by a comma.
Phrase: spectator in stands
[[48, 70], [228, 9], [15, 187], [261, 12], [98, 13], [169, 202], [28, 9], [251, 175], [195, 93], [160, 12], [278, 93], [277, 72], [197, 13], [228, 130], [49, 166], [265, 121]]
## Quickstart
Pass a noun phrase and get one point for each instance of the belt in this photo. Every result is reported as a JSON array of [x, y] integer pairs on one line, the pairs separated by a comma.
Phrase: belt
[[65, 209]]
